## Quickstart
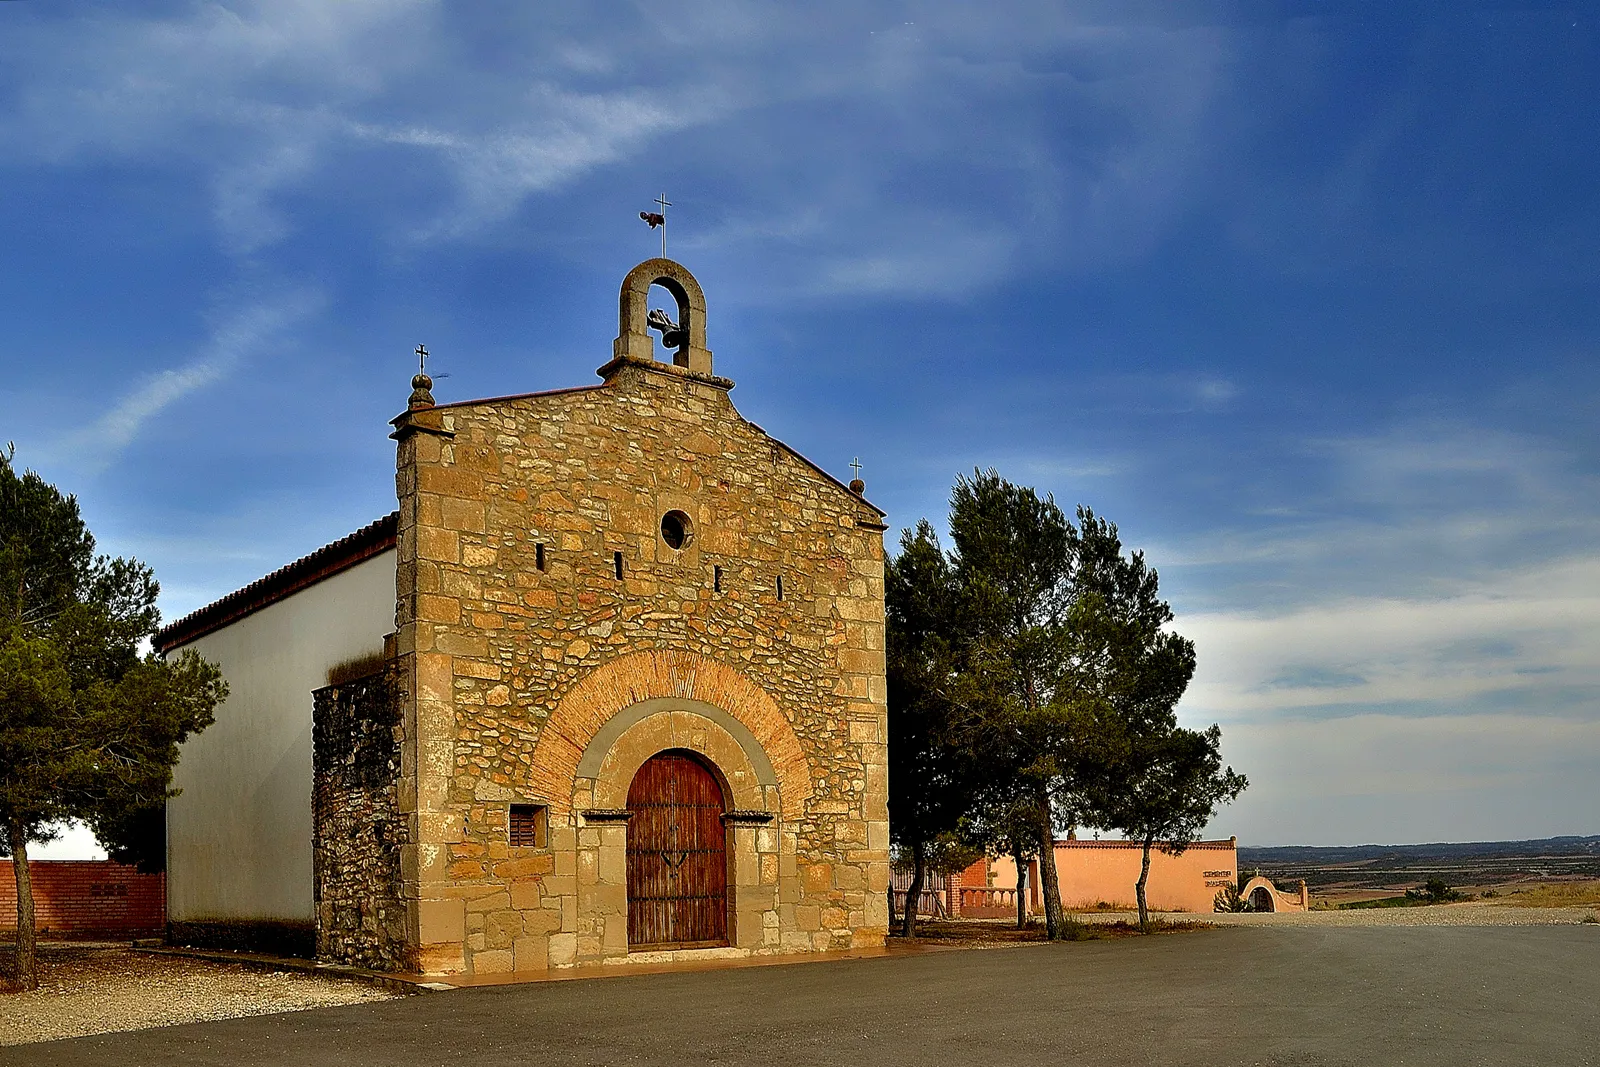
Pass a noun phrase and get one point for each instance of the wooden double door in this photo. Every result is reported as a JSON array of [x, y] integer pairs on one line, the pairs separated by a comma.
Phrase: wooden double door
[[677, 855]]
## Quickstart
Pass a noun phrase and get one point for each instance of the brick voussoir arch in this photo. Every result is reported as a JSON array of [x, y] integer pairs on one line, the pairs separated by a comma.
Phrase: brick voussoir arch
[[639, 676]]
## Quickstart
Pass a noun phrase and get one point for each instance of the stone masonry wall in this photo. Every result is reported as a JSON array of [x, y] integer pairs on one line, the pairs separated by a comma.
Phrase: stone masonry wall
[[492, 645], [357, 827]]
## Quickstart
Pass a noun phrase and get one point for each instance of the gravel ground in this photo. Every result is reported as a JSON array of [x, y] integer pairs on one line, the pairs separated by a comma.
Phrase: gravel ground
[[98, 989], [1466, 914]]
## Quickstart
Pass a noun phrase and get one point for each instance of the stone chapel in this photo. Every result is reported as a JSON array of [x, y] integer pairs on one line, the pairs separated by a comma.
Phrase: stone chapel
[[608, 685]]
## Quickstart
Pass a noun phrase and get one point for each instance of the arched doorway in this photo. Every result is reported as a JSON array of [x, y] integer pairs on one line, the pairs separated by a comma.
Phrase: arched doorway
[[677, 855], [1261, 899]]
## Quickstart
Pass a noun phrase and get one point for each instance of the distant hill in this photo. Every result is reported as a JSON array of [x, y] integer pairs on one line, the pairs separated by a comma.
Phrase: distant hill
[[1459, 863], [1445, 850]]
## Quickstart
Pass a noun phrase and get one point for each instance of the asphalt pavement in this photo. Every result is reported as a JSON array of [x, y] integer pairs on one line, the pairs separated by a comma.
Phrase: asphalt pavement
[[1299, 996]]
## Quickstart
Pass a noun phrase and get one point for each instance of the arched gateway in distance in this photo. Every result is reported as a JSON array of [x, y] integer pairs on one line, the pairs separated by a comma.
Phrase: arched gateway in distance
[[633, 701]]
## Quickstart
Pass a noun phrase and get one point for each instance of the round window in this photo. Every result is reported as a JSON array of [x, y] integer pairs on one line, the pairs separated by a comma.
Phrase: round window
[[676, 530]]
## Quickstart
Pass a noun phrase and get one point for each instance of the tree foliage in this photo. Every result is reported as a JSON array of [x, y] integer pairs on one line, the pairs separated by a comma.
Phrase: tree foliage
[[1057, 677], [1020, 718], [89, 727], [1434, 891], [930, 780], [1165, 792]]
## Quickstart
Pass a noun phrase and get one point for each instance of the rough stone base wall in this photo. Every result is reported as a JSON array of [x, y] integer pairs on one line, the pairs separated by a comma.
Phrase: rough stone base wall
[[357, 825]]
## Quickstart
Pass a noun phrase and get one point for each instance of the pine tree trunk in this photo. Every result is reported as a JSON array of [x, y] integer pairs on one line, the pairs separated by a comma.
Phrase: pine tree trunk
[[1049, 884], [914, 894], [1138, 889], [1022, 887], [27, 945]]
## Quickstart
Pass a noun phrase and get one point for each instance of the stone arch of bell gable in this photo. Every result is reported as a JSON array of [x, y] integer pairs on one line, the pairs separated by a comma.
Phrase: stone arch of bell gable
[[699, 686], [633, 311]]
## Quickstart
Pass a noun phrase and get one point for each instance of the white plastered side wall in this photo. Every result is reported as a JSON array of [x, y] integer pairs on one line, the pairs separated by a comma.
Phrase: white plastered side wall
[[239, 833]]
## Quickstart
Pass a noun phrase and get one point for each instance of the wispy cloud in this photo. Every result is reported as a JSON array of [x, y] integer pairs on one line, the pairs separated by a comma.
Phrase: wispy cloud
[[245, 96], [1533, 630], [552, 136], [238, 335], [952, 151], [246, 218], [922, 265], [1421, 509], [1383, 779]]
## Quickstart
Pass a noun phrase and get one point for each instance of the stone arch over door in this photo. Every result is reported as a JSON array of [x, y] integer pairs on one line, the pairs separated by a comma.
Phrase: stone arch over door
[[612, 699], [634, 708], [604, 776]]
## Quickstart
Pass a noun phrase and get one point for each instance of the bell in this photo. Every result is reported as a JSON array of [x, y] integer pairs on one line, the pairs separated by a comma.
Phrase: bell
[[672, 335]]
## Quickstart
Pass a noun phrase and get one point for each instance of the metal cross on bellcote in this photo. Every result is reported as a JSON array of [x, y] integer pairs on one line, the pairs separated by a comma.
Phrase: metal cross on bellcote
[[659, 218], [422, 359], [664, 204]]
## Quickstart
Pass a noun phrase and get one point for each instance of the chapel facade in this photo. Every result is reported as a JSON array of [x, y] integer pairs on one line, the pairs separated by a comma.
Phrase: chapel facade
[[633, 700]]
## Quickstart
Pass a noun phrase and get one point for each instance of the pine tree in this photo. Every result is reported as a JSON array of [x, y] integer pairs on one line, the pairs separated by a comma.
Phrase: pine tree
[[1014, 559], [930, 780], [89, 728]]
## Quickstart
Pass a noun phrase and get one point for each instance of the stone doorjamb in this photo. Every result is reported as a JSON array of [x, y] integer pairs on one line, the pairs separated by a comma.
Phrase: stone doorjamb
[[600, 794]]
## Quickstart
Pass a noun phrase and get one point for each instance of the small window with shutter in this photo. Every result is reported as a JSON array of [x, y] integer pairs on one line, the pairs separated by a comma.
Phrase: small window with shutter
[[527, 826]]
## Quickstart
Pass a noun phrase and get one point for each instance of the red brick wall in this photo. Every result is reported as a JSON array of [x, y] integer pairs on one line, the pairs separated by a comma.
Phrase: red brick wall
[[87, 898]]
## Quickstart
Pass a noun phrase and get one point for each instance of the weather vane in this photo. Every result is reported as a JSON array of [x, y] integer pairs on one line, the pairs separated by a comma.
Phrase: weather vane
[[659, 218]]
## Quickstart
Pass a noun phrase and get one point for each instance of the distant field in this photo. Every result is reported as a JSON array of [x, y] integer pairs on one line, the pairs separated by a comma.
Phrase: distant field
[[1546, 895], [1551, 872]]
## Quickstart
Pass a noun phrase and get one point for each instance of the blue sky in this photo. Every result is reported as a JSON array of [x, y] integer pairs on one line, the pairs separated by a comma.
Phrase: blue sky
[[1302, 295]]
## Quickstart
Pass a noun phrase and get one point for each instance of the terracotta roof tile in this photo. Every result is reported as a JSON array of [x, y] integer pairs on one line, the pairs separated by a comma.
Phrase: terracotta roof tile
[[325, 562]]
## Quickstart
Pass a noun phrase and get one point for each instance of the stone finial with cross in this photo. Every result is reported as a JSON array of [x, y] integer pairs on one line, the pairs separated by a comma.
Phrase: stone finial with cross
[[421, 385], [857, 486]]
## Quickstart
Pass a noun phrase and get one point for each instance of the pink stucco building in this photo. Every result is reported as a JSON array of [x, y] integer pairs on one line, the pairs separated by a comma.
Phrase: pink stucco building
[[1100, 873]]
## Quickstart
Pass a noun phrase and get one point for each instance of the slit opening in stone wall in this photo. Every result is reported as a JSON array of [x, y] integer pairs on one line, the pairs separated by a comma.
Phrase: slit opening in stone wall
[[538, 555], [780, 587], [616, 561], [716, 579], [525, 826]]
